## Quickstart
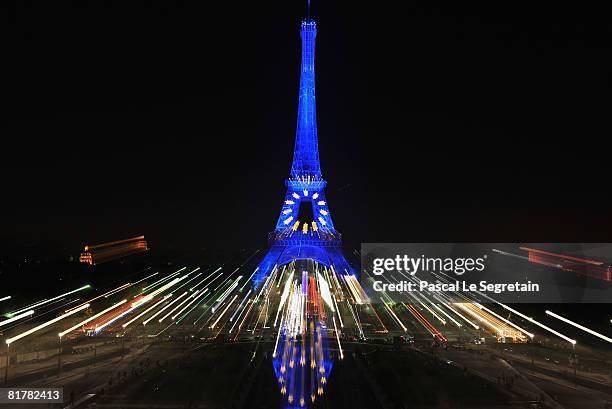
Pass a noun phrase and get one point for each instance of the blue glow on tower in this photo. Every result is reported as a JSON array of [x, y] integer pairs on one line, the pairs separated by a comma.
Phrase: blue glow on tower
[[306, 153], [305, 229]]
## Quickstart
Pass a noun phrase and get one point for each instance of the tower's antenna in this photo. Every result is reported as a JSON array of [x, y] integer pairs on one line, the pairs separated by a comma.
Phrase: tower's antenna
[[308, 9]]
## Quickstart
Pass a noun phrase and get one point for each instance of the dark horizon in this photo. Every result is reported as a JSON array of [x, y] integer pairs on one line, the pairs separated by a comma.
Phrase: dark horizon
[[178, 122]]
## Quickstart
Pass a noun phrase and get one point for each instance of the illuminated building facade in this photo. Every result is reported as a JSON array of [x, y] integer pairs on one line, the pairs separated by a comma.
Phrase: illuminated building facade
[[105, 252]]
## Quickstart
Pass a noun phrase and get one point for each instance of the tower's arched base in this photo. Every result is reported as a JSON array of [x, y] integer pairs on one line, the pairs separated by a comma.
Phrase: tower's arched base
[[279, 255]]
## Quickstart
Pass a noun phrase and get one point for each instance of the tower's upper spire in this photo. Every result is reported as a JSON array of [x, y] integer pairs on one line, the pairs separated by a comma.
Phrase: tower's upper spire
[[306, 164]]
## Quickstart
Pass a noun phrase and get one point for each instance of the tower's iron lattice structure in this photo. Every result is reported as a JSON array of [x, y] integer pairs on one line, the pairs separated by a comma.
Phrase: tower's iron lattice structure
[[305, 230]]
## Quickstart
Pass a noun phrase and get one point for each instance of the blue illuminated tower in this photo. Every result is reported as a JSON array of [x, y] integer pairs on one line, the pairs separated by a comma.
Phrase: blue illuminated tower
[[305, 230]]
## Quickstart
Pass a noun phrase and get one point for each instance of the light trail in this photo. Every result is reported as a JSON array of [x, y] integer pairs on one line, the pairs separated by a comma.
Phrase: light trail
[[442, 320], [277, 336], [338, 312], [539, 324], [263, 287], [585, 329], [479, 317], [46, 324], [95, 298], [202, 315], [324, 291], [245, 315], [482, 307], [195, 306], [355, 318], [190, 280], [178, 305], [226, 293], [80, 324], [205, 278], [39, 316], [146, 311], [195, 298], [145, 322], [280, 278], [123, 287], [355, 289], [215, 279], [338, 338], [240, 315], [17, 317], [393, 315], [159, 333], [248, 279], [222, 283], [141, 280], [240, 305], [162, 280], [432, 330], [457, 323], [117, 317], [8, 297], [223, 313], [284, 295], [447, 305], [160, 290], [43, 302]]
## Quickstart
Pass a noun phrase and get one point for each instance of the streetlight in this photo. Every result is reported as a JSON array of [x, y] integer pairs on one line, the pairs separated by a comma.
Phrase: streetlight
[[7, 364], [59, 356]]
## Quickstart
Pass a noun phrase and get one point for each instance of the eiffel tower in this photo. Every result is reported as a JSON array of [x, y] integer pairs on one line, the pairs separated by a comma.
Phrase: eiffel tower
[[305, 230]]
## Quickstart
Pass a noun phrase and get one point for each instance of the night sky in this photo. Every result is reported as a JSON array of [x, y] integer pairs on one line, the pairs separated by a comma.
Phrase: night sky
[[177, 120]]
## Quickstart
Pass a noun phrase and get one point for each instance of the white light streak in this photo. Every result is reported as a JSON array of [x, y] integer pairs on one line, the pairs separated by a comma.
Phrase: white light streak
[[325, 294], [80, 324], [240, 305], [178, 305], [145, 322], [43, 302], [482, 307], [46, 324], [338, 338], [248, 279], [223, 313], [461, 316], [146, 311], [539, 324], [17, 317], [195, 298], [585, 329], [394, 315]]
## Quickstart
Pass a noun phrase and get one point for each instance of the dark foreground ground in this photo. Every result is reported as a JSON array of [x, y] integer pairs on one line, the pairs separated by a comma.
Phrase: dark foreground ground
[[173, 374]]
